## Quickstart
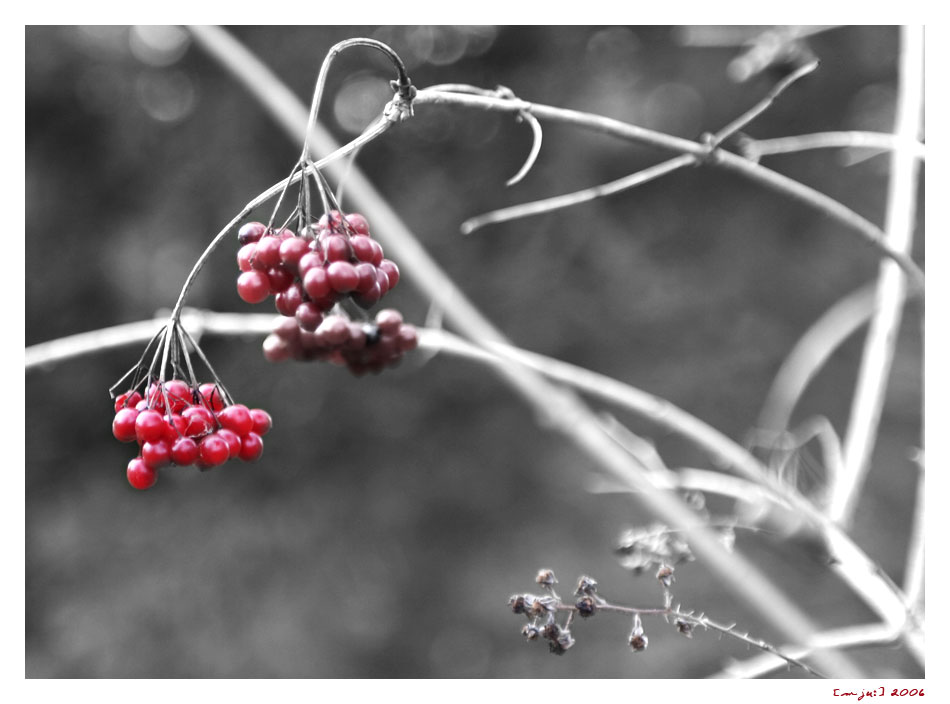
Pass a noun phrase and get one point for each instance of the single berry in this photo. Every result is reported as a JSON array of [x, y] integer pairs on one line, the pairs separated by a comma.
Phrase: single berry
[[292, 250], [252, 447], [253, 286], [127, 400], [336, 248], [236, 417], [213, 450], [316, 283], [123, 426], [392, 271], [198, 421], [212, 396], [184, 452], [266, 253], [251, 232], [262, 421], [389, 321], [156, 454], [342, 276], [309, 316], [140, 475], [233, 440], [149, 426], [244, 256], [179, 395], [358, 223], [279, 278]]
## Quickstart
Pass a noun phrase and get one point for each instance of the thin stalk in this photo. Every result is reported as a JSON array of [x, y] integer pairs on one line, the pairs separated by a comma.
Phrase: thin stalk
[[868, 401], [756, 148]]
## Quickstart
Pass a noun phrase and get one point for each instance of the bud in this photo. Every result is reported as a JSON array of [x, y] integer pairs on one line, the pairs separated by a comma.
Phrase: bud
[[586, 585], [665, 575], [518, 603], [585, 606], [562, 643], [638, 641], [684, 627], [541, 605], [530, 632], [546, 578]]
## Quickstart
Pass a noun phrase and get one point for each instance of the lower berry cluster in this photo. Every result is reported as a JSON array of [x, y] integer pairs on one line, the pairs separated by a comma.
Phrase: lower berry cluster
[[195, 427], [361, 347]]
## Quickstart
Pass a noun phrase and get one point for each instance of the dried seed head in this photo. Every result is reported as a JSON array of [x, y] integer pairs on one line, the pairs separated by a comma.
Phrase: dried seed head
[[585, 606], [551, 631], [684, 627], [530, 632], [586, 585], [638, 641], [665, 575], [546, 578], [562, 643], [538, 606], [518, 603]]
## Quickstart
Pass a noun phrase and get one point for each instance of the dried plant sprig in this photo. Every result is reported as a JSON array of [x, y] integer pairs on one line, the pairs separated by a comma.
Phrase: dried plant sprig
[[542, 611], [755, 149]]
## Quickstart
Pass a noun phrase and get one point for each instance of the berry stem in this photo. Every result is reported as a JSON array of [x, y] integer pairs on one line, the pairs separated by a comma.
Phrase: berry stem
[[402, 84]]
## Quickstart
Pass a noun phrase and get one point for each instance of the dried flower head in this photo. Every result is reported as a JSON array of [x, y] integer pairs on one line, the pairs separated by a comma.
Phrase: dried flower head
[[539, 606], [546, 578], [562, 643], [638, 640], [684, 627], [586, 606], [530, 632], [586, 586], [665, 575], [519, 603]]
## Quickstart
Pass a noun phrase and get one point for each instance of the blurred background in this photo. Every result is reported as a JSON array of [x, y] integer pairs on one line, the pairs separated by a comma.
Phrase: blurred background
[[391, 517]]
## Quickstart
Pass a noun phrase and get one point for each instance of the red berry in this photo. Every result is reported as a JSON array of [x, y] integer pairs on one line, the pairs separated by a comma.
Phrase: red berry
[[127, 400], [174, 428], [287, 302], [156, 454], [123, 426], [140, 475], [233, 440], [309, 316], [334, 330], [276, 349], [280, 279], [149, 426], [251, 232], [358, 223], [336, 248], [184, 452], [292, 250], [237, 418], [253, 286], [392, 271], [262, 421], [362, 248], [213, 450], [198, 421], [389, 321], [408, 338], [212, 396], [342, 276], [252, 447], [377, 253], [244, 256], [179, 395], [316, 283], [266, 253], [310, 260]]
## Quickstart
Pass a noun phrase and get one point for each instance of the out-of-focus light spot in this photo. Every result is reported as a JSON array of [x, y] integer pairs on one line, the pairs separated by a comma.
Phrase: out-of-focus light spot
[[360, 101], [437, 45], [100, 89], [158, 45], [675, 108], [102, 39], [613, 56], [167, 96], [440, 45]]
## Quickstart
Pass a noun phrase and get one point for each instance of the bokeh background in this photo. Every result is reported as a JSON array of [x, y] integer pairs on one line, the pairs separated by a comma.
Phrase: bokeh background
[[391, 517]]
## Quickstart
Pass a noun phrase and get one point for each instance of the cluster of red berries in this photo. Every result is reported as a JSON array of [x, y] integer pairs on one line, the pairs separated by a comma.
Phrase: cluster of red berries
[[196, 428], [362, 347], [309, 273]]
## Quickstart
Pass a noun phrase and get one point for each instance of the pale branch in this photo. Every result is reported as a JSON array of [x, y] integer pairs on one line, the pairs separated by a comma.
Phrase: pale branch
[[754, 149], [810, 354], [705, 154], [568, 200], [853, 566], [865, 635], [868, 401], [559, 408]]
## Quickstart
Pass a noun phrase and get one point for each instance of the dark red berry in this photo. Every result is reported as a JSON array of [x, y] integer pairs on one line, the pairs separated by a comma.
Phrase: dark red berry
[[358, 223], [292, 250], [310, 260], [392, 271], [280, 279], [309, 316], [251, 232], [140, 475], [336, 248], [244, 256], [287, 302], [342, 276], [316, 283], [266, 253]]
